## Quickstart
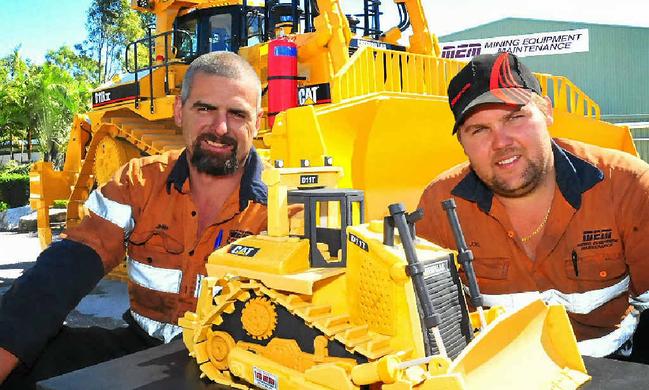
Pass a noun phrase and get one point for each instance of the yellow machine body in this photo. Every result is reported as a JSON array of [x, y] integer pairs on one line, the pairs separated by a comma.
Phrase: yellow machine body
[[267, 316]]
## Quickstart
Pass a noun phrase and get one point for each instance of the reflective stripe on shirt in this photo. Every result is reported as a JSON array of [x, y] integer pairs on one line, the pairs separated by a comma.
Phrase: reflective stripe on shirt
[[198, 287], [117, 213], [641, 302], [159, 279], [160, 330], [606, 345], [579, 303]]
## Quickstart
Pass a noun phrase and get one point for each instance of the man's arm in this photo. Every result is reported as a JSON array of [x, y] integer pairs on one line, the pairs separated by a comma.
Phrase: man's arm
[[633, 206], [34, 308], [7, 363]]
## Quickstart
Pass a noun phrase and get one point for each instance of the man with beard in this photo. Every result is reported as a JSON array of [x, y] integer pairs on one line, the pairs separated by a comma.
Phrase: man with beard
[[545, 218], [168, 211]]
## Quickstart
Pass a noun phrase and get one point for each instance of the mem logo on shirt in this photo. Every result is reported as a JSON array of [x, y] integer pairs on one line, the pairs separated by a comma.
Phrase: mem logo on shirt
[[597, 239]]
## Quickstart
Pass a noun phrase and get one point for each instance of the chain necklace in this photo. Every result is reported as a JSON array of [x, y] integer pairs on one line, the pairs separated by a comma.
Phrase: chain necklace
[[538, 228]]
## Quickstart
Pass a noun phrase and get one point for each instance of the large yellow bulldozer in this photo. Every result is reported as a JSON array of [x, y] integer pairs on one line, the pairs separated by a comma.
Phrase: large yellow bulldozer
[[375, 105]]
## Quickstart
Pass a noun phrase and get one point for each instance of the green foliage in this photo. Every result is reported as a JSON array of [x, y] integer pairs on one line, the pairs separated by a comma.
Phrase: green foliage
[[60, 204], [14, 77], [111, 26], [61, 89], [3, 206], [14, 189], [39, 101], [12, 166]]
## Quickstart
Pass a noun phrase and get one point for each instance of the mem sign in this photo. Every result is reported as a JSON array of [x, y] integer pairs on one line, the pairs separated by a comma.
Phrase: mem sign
[[527, 45]]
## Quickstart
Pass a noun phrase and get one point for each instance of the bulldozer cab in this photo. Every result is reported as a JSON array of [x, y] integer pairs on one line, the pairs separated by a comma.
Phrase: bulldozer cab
[[231, 27], [327, 214], [219, 29]]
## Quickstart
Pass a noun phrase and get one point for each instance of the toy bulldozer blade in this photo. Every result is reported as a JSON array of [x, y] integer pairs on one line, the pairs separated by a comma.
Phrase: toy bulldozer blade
[[532, 348]]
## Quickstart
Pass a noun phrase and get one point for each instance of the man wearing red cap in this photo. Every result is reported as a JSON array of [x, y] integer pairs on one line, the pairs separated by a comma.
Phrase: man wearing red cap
[[545, 218]]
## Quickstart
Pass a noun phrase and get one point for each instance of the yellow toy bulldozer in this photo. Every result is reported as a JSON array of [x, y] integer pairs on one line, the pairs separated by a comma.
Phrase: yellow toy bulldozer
[[335, 303]]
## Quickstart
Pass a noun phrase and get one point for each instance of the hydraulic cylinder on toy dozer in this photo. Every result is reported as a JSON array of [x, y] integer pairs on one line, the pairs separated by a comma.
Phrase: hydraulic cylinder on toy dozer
[[431, 319], [465, 258]]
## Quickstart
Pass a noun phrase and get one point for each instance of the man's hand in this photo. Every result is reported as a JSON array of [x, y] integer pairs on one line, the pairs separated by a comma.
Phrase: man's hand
[[7, 363]]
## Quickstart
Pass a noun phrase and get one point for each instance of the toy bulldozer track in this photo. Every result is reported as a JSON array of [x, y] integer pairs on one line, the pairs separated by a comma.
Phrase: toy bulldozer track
[[390, 313]]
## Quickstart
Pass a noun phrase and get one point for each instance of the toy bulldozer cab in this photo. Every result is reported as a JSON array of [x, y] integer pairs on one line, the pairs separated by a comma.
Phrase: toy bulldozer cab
[[327, 205]]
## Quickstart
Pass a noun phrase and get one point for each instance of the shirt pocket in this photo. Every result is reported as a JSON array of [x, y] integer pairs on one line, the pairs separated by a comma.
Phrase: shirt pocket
[[596, 267], [155, 240], [492, 268]]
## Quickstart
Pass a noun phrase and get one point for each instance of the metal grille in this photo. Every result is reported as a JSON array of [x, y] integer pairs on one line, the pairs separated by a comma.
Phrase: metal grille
[[443, 288]]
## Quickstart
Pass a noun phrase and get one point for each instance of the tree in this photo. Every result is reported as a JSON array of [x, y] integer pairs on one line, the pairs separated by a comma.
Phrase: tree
[[13, 81], [59, 89], [111, 25], [40, 100], [75, 62]]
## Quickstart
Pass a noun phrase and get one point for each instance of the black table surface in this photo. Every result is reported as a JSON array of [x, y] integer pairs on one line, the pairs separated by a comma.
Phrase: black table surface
[[169, 367]]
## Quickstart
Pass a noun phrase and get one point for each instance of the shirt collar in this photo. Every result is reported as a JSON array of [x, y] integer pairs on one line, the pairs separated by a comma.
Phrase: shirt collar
[[250, 189], [574, 177]]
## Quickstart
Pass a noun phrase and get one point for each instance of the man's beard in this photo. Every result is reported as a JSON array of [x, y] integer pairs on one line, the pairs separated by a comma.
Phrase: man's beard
[[532, 176], [215, 164]]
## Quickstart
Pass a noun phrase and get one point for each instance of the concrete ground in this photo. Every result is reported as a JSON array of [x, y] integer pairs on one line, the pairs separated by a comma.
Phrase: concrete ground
[[104, 306]]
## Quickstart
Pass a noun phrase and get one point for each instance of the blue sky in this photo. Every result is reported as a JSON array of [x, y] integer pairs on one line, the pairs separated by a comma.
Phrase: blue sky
[[40, 25]]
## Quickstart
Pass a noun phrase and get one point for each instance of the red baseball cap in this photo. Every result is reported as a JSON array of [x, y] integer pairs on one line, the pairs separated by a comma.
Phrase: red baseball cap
[[490, 78]]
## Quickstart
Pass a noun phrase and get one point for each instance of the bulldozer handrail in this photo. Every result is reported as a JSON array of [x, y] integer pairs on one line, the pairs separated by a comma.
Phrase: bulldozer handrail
[[566, 96], [150, 40], [372, 70]]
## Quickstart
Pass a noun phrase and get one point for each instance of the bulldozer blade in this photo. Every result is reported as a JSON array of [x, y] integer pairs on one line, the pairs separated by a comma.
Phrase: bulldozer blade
[[532, 348]]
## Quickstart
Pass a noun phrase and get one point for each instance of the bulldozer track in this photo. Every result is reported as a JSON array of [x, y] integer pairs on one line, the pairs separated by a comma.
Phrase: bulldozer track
[[150, 138], [355, 338]]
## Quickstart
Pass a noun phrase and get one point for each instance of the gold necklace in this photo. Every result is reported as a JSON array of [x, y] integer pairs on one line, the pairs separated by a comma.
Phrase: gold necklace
[[539, 228]]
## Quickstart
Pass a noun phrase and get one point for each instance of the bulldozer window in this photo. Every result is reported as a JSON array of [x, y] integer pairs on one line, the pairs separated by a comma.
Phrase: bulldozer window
[[220, 32], [187, 45], [328, 214], [255, 28]]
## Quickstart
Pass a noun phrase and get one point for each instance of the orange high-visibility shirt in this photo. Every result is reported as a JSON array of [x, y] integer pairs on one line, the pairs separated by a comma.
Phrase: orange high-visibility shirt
[[147, 210], [592, 256]]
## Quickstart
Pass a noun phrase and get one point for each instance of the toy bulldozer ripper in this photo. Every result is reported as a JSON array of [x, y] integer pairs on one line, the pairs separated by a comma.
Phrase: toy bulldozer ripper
[[337, 303]]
